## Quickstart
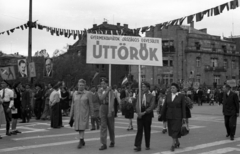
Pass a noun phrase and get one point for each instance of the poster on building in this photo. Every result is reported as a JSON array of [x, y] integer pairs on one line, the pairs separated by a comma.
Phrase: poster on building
[[32, 70], [126, 50], [22, 68], [7, 73], [48, 69]]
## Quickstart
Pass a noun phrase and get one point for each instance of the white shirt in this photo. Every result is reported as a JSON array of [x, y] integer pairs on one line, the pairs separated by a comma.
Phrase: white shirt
[[153, 93], [174, 95], [8, 96]]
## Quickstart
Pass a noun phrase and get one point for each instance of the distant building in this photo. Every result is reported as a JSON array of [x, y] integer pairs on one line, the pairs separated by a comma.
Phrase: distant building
[[191, 55]]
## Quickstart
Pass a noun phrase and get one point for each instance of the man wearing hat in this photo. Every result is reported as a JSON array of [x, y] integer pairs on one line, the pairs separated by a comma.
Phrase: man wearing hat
[[7, 96], [38, 97], [230, 110], [106, 114]]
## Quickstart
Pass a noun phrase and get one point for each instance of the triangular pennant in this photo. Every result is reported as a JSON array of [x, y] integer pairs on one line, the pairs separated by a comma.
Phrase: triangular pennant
[[234, 4], [8, 32], [26, 26], [216, 11], [199, 16], [12, 30], [17, 27], [181, 20], [65, 33], [206, 12], [57, 31], [22, 27], [61, 32], [190, 18], [144, 29]]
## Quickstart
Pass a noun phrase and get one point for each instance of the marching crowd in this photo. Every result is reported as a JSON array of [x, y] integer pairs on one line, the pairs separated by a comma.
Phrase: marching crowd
[[100, 105]]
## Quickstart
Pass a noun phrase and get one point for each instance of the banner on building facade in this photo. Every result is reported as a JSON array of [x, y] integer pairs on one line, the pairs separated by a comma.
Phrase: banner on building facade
[[32, 70], [8, 73], [22, 68], [127, 50]]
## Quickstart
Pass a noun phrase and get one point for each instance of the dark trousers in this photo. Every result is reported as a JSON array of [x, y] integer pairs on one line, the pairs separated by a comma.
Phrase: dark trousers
[[115, 107], [26, 114], [38, 109], [230, 124], [7, 115], [95, 121], [199, 101], [143, 124]]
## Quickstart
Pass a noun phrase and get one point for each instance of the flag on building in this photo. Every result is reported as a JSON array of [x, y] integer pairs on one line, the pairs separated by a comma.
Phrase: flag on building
[[95, 75], [125, 80]]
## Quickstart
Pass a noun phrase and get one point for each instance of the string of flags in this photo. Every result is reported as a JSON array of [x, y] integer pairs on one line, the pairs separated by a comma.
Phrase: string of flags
[[197, 16], [125, 31]]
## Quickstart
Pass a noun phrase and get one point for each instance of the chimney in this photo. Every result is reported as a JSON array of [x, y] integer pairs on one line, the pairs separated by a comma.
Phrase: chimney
[[192, 24], [118, 24], [204, 30], [125, 25], [94, 25]]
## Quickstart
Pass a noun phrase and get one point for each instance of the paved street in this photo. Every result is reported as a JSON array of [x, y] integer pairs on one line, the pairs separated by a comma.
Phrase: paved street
[[207, 136]]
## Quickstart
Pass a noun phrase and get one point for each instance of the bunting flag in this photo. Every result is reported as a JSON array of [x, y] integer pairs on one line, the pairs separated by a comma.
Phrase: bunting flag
[[13, 29], [125, 80]]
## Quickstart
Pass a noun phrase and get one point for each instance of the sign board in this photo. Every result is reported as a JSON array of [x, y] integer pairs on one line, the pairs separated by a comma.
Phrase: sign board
[[126, 50], [8, 73], [196, 85], [232, 83], [32, 70]]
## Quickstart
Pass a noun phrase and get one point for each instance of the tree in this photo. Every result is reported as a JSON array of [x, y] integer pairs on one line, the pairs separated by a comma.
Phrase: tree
[[42, 53]]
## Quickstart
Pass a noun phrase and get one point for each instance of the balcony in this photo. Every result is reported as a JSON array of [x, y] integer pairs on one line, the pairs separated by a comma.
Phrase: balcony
[[215, 69]]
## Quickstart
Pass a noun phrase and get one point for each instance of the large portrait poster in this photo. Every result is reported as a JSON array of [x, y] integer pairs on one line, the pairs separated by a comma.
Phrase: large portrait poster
[[8, 73], [22, 68], [48, 69], [126, 50], [32, 70]]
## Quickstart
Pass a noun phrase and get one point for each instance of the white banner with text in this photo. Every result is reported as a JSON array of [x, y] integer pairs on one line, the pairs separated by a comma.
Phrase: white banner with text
[[127, 50]]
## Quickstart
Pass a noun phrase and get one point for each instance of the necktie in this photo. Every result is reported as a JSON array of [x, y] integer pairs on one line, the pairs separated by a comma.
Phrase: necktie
[[144, 100], [3, 95]]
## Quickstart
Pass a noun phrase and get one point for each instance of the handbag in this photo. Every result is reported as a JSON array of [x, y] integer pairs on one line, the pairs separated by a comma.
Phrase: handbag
[[71, 122], [184, 129]]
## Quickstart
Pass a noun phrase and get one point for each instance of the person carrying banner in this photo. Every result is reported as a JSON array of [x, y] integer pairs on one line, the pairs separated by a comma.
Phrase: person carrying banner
[[106, 114], [144, 111], [8, 103]]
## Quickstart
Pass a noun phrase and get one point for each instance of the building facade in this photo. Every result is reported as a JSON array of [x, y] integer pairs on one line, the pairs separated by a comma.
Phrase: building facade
[[191, 55]]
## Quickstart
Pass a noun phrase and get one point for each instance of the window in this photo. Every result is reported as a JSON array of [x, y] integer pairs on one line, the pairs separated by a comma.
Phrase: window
[[97, 66], [217, 79], [214, 62], [159, 81], [225, 63], [233, 64], [198, 76], [171, 46], [165, 62], [143, 77], [103, 67], [171, 62], [198, 61], [224, 48], [213, 46], [197, 45]]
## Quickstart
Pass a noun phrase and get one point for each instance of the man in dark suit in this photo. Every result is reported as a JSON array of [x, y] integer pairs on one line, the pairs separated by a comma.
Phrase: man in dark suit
[[230, 110], [22, 69], [48, 67], [199, 96], [144, 110]]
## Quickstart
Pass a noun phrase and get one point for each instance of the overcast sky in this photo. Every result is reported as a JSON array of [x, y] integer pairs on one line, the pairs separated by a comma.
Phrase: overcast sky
[[80, 14]]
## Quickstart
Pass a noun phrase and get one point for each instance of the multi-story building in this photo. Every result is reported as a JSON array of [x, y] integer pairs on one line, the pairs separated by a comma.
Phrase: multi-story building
[[192, 55]]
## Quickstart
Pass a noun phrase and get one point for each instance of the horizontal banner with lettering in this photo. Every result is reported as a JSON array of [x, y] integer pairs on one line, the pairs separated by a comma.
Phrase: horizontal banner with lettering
[[127, 50]]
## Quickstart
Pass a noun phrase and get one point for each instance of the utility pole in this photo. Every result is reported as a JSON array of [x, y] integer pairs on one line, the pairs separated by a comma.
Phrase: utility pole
[[30, 37]]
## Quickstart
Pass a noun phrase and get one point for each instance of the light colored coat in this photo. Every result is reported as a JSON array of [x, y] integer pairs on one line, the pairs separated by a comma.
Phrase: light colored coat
[[81, 109]]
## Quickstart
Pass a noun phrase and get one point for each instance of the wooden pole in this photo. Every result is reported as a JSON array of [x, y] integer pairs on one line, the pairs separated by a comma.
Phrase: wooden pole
[[30, 37], [109, 81], [139, 87]]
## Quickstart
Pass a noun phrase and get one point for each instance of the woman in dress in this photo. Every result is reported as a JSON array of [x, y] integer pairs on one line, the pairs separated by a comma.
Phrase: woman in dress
[[174, 111], [161, 101], [54, 102], [129, 111], [81, 109], [64, 101]]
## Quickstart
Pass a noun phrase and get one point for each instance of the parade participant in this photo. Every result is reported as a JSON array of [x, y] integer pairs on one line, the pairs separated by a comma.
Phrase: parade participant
[[106, 114], [54, 102], [26, 99], [116, 100], [38, 97], [174, 111], [96, 106], [64, 101], [2, 115], [129, 113], [122, 97], [7, 96], [16, 113], [46, 111], [161, 101], [81, 109], [144, 111], [230, 110]]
